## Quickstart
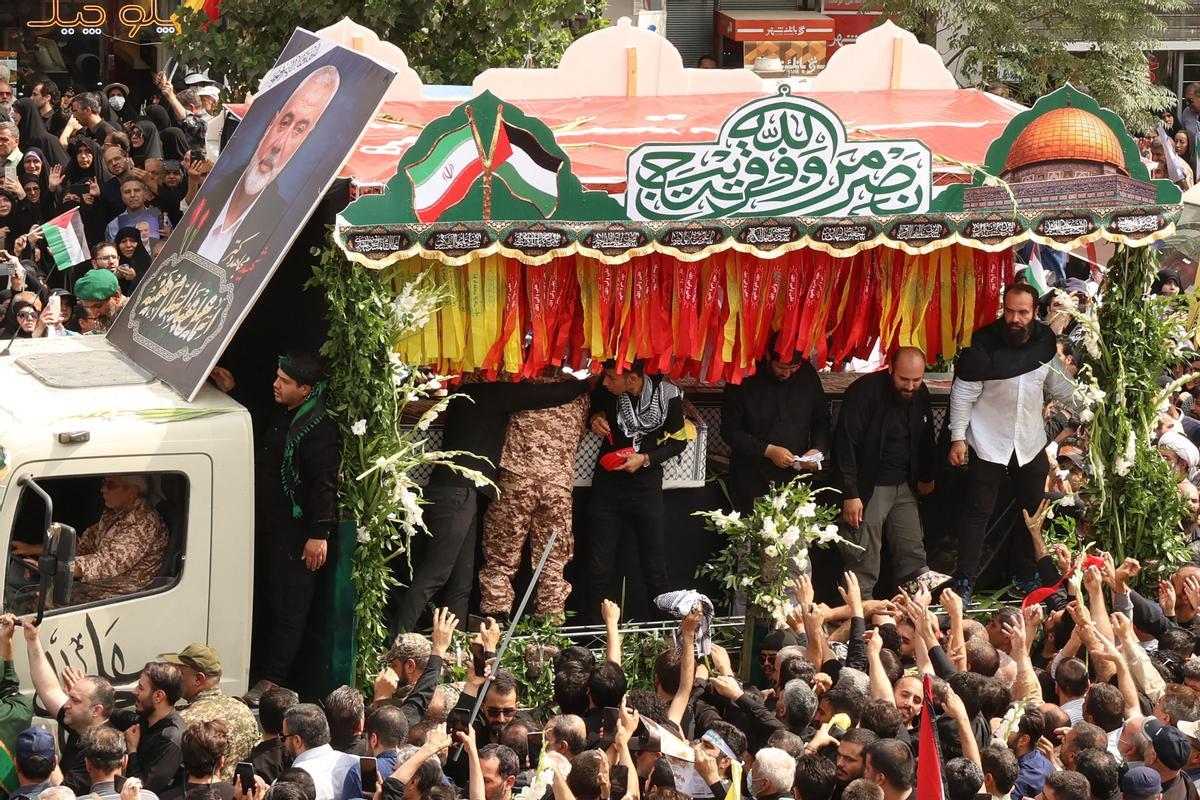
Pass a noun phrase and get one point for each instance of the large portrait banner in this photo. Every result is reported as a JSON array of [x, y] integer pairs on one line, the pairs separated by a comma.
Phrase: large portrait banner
[[304, 121]]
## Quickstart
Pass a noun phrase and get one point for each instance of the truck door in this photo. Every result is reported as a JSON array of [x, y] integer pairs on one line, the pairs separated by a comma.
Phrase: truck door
[[146, 587]]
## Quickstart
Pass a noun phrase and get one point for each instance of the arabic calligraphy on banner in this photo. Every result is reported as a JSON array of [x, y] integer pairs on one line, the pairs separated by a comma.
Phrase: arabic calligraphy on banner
[[781, 155], [92, 19]]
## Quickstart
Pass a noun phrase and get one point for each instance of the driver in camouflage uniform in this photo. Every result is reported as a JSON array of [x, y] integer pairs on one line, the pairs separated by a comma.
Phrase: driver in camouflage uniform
[[537, 472]]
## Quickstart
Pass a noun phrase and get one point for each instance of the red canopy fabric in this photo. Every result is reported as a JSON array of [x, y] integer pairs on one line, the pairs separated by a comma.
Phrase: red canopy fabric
[[599, 132]]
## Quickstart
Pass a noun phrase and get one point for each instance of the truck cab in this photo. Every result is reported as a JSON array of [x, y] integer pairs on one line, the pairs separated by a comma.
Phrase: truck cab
[[75, 412]]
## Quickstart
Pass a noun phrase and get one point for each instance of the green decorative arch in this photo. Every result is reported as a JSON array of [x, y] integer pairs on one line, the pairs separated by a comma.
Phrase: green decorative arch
[[482, 115], [1066, 96]]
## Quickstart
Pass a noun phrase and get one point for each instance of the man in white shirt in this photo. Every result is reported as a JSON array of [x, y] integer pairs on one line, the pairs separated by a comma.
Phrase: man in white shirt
[[10, 154], [306, 740], [1002, 382]]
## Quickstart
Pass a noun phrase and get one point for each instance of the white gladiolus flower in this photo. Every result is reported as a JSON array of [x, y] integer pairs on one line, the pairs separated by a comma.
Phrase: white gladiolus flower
[[359, 428], [364, 535], [1086, 415], [778, 502], [771, 551], [807, 510], [769, 529], [790, 537]]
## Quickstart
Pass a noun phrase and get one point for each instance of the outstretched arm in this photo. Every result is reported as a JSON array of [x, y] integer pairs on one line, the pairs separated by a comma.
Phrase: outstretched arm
[[687, 667], [45, 682]]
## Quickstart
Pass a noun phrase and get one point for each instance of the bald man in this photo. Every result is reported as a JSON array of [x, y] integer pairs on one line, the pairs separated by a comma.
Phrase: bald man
[[232, 234], [883, 460]]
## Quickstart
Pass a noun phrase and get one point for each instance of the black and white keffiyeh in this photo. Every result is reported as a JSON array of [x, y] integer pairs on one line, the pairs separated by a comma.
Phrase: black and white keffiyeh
[[649, 413]]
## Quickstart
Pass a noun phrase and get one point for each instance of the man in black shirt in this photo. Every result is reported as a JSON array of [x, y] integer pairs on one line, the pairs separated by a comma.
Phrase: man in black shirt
[[153, 742], [86, 110], [476, 424], [268, 756], [640, 419], [773, 418], [883, 460], [296, 472], [87, 705]]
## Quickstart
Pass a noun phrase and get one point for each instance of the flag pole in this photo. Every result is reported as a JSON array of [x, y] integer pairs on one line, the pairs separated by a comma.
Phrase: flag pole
[[512, 626], [486, 158]]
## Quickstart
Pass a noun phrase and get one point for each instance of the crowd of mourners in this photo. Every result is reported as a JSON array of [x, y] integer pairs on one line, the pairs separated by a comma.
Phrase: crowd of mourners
[[1091, 691], [130, 161], [1091, 694]]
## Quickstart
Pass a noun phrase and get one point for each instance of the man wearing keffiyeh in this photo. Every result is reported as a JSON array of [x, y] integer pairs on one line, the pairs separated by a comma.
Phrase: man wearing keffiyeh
[[640, 419], [296, 469]]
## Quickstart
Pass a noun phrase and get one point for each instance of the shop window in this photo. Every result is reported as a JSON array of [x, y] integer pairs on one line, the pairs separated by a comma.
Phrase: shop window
[[132, 532]]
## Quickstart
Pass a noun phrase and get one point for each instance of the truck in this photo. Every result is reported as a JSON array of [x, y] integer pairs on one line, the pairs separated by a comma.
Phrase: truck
[[73, 411]]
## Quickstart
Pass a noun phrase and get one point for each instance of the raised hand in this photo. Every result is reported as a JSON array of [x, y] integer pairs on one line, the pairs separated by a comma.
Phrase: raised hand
[[610, 612], [1129, 568], [804, 591], [851, 594], [489, 635], [1166, 597], [1016, 635], [444, 624], [720, 659], [1034, 522]]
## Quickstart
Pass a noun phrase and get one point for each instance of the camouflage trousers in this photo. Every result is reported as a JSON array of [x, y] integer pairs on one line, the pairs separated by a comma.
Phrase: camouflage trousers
[[527, 508]]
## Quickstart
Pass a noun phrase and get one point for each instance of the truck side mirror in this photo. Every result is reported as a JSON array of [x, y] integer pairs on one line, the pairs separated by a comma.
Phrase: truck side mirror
[[64, 556]]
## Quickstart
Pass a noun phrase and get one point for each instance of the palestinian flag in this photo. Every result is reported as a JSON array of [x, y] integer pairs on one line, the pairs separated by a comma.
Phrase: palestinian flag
[[929, 765], [65, 238], [528, 170], [443, 178], [1035, 276]]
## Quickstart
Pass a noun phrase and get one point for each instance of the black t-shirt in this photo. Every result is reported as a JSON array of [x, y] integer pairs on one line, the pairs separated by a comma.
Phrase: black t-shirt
[[75, 774], [894, 446], [100, 133]]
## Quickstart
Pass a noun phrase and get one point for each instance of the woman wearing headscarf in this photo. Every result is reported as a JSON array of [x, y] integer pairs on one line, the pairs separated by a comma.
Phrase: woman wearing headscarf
[[159, 116], [1185, 148], [144, 142], [87, 167], [133, 259], [86, 161], [34, 177], [33, 163], [174, 144], [14, 219], [23, 318], [32, 131], [107, 112]]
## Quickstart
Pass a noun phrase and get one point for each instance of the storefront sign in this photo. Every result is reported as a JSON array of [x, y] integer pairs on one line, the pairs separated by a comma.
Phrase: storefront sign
[[848, 27], [70, 18], [778, 26], [87, 20]]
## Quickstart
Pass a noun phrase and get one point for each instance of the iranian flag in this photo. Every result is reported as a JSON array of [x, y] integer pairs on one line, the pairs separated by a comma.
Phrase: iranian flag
[[64, 236], [444, 177], [528, 170]]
